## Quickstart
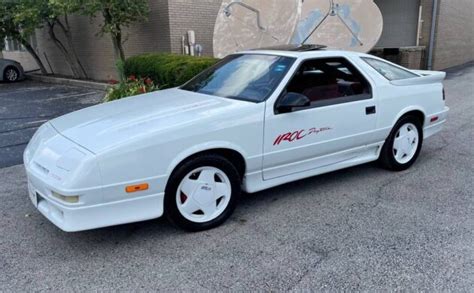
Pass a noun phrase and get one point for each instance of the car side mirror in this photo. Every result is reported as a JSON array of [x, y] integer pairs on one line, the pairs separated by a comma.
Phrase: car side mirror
[[290, 101]]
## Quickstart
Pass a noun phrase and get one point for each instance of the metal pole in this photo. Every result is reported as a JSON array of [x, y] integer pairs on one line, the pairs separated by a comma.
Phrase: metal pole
[[434, 20], [228, 12]]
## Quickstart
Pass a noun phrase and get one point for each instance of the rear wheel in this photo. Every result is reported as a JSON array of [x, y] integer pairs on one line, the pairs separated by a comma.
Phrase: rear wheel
[[11, 74], [403, 146], [202, 193]]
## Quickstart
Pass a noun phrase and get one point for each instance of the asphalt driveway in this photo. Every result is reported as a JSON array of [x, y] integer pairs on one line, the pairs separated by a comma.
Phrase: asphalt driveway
[[24, 106], [361, 229]]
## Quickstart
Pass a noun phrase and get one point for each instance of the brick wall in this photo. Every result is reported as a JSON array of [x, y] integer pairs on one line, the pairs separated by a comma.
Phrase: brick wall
[[197, 15], [409, 57], [96, 52], [169, 20], [455, 34]]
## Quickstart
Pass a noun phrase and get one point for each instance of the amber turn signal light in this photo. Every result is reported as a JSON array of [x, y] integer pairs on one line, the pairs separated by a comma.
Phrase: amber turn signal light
[[135, 188]]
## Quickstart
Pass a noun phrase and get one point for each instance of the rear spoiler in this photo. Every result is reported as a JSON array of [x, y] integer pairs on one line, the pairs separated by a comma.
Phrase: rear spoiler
[[426, 77]]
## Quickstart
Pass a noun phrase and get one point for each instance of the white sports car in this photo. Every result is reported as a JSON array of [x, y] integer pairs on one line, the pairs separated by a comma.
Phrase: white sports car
[[255, 120]]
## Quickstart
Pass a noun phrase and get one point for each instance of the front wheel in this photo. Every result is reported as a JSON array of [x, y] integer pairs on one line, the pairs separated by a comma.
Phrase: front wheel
[[202, 193], [403, 146]]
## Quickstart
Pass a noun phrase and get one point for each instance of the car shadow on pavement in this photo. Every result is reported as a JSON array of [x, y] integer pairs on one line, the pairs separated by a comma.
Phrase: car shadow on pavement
[[250, 206]]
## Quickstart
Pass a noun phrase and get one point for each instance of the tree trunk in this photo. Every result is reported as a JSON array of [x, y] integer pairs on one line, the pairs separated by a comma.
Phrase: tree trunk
[[73, 53], [64, 51], [33, 53], [119, 53], [116, 35], [118, 46]]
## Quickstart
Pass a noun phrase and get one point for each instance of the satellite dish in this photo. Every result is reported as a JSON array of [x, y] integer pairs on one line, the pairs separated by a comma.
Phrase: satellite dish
[[354, 25], [248, 24]]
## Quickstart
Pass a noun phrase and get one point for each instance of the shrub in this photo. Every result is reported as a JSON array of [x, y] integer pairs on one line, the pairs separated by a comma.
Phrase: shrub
[[168, 70], [132, 86]]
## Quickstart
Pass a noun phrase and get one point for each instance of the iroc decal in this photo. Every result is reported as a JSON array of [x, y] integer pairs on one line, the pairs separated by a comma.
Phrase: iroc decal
[[298, 135]]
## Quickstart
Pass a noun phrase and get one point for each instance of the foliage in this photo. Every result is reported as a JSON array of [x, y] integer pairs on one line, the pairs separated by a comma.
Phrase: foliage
[[20, 18], [46, 10], [54, 14], [151, 72], [169, 70], [116, 14], [19, 26], [132, 86]]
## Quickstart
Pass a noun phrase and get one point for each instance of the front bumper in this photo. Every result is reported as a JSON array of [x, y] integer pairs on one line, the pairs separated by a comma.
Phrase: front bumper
[[73, 218], [58, 169]]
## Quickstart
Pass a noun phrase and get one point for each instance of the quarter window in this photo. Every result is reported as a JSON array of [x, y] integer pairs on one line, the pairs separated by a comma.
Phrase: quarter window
[[329, 81], [389, 71]]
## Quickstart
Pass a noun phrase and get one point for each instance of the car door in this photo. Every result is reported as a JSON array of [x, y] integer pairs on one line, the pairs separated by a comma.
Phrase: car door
[[335, 127]]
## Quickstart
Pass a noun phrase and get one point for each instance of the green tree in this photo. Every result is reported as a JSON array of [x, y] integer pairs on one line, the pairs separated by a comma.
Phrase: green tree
[[19, 29], [54, 14], [117, 14]]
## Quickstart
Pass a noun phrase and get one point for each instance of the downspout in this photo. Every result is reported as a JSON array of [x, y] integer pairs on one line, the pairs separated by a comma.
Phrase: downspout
[[434, 20]]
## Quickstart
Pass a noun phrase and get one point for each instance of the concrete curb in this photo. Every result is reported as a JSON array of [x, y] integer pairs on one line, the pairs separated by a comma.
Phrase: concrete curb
[[66, 81]]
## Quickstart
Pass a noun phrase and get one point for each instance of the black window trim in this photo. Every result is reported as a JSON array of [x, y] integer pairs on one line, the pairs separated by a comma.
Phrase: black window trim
[[328, 102]]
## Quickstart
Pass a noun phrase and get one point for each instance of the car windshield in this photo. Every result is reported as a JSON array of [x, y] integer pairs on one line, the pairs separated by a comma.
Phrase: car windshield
[[249, 77]]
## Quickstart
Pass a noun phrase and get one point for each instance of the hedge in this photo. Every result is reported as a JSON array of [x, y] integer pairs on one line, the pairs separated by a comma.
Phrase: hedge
[[166, 70]]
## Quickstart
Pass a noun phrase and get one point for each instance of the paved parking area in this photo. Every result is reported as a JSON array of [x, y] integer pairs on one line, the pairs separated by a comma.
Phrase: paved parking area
[[24, 106], [360, 229]]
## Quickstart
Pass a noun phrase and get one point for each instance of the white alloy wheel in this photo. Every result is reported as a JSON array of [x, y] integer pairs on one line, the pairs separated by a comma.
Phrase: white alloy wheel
[[203, 194], [11, 74], [406, 143]]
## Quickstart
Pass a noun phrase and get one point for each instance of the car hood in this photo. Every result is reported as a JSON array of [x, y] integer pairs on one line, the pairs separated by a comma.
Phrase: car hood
[[108, 125]]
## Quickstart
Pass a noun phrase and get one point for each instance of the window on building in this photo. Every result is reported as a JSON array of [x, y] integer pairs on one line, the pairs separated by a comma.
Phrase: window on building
[[14, 45], [329, 81], [389, 71]]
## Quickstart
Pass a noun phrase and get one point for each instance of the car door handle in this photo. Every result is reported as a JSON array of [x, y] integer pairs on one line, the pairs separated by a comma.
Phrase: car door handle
[[370, 110]]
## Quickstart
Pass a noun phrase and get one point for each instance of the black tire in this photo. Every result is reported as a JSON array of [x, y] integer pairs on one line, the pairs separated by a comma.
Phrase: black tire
[[209, 160], [387, 157], [6, 76]]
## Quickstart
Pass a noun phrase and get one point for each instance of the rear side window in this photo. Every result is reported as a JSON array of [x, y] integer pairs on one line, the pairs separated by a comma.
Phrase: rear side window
[[388, 70]]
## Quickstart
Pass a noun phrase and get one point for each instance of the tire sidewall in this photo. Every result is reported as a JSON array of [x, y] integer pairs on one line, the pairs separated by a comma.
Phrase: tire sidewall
[[388, 158], [171, 210]]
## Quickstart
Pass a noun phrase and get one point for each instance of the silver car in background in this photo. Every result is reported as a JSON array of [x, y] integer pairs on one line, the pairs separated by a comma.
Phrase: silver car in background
[[11, 70]]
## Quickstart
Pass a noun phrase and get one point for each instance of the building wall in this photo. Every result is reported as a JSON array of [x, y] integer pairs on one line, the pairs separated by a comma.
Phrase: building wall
[[169, 20], [197, 15], [96, 52], [455, 34], [426, 16]]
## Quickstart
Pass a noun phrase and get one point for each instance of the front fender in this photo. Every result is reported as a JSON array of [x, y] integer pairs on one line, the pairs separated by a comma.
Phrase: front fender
[[201, 148]]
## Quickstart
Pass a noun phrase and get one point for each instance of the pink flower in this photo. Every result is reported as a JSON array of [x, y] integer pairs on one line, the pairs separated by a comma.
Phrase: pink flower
[[113, 81], [148, 81]]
